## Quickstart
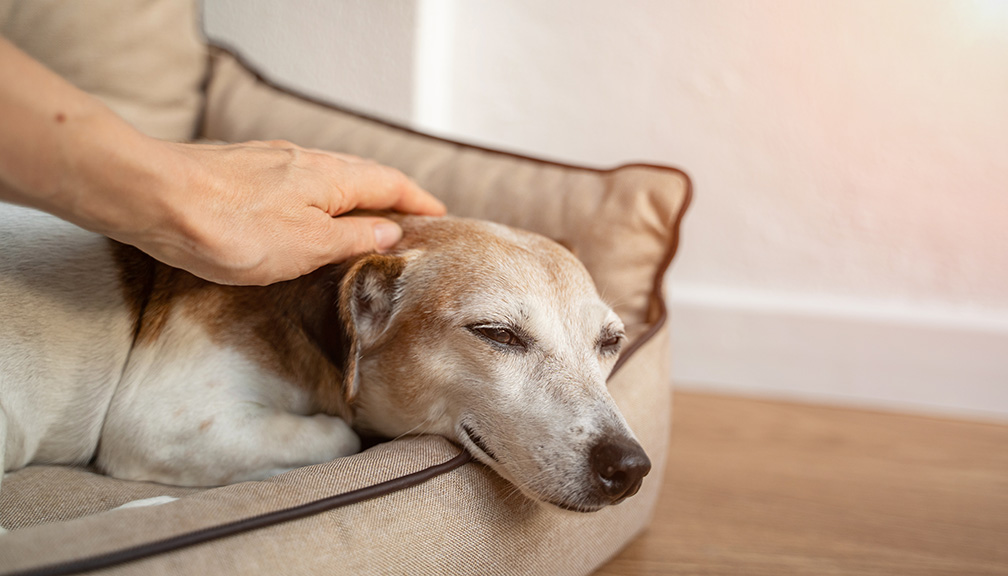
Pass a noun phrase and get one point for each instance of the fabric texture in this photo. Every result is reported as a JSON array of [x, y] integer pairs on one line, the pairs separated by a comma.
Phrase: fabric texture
[[622, 223]]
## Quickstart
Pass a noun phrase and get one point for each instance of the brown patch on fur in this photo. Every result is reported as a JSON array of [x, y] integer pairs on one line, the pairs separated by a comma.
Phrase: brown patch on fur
[[136, 275], [275, 326], [467, 246]]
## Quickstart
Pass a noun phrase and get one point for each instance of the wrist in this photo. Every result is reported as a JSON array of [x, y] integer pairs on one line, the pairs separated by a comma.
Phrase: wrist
[[113, 179]]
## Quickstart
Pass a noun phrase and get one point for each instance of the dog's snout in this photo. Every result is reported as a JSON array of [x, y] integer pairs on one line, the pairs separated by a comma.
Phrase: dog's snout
[[619, 467]]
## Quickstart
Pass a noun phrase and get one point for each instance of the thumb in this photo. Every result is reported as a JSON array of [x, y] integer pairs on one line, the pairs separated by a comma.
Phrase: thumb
[[352, 235]]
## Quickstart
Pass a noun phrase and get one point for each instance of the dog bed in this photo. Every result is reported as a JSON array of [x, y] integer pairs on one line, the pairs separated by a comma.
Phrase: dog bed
[[410, 506]]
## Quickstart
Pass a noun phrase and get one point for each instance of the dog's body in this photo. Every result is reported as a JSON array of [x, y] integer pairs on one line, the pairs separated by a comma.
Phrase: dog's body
[[492, 337]]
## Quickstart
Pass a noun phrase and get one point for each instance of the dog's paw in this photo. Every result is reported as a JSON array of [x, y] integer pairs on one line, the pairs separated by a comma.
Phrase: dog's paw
[[339, 438]]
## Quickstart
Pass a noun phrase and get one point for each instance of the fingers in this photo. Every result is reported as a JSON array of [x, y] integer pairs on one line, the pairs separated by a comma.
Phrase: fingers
[[377, 187], [293, 199], [367, 185], [351, 235], [357, 183], [329, 240], [416, 200]]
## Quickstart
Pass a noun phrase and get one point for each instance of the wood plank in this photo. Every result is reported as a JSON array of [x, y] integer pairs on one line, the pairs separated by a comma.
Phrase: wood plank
[[771, 488]]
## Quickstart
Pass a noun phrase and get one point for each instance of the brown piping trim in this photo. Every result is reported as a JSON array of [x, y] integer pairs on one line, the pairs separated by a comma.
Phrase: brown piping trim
[[657, 291], [657, 296], [171, 544]]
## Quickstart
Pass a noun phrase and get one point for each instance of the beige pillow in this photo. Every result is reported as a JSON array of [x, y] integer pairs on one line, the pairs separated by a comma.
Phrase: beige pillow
[[145, 60]]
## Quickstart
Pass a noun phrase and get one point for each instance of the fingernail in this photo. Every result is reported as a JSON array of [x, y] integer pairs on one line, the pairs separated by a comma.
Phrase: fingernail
[[386, 235]]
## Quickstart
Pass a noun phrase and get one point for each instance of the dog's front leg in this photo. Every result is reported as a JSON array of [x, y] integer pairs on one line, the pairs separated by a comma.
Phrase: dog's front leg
[[277, 441], [248, 441]]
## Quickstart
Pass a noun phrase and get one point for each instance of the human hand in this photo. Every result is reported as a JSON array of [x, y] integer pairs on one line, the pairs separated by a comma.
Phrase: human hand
[[262, 212], [252, 213]]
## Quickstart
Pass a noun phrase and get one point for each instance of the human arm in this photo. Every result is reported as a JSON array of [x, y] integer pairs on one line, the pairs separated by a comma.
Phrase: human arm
[[251, 213]]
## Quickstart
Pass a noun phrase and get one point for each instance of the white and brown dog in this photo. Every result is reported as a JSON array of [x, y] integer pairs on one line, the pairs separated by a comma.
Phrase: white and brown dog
[[493, 337]]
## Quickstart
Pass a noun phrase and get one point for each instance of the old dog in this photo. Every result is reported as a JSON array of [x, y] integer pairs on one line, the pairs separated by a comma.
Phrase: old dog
[[493, 337]]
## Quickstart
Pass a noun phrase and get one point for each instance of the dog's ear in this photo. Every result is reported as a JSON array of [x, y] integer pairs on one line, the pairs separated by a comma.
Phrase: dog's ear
[[368, 295], [347, 308]]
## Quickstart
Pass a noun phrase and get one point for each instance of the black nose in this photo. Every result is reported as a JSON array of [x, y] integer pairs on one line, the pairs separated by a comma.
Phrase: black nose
[[618, 467]]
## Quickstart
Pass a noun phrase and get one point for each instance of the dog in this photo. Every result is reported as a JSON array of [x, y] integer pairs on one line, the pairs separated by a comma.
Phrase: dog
[[490, 336]]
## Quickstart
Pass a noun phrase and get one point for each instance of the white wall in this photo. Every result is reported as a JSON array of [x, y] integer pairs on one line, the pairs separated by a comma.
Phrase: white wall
[[353, 51], [847, 241]]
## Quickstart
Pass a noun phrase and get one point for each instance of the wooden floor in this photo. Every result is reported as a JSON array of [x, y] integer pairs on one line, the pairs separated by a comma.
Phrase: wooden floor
[[764, 488]]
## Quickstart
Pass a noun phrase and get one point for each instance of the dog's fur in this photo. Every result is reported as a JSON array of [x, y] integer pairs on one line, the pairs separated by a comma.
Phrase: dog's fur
[[492, 337]]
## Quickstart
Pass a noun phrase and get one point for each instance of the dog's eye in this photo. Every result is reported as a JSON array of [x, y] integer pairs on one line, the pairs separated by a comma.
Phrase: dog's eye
[[499, 335], [611, 344]]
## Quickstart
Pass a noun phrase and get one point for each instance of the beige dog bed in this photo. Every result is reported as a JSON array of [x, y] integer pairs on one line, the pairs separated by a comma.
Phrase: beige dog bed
[[455, 516]]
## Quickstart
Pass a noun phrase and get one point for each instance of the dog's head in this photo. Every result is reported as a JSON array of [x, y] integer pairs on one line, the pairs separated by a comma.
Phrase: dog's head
[[495, 338]]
